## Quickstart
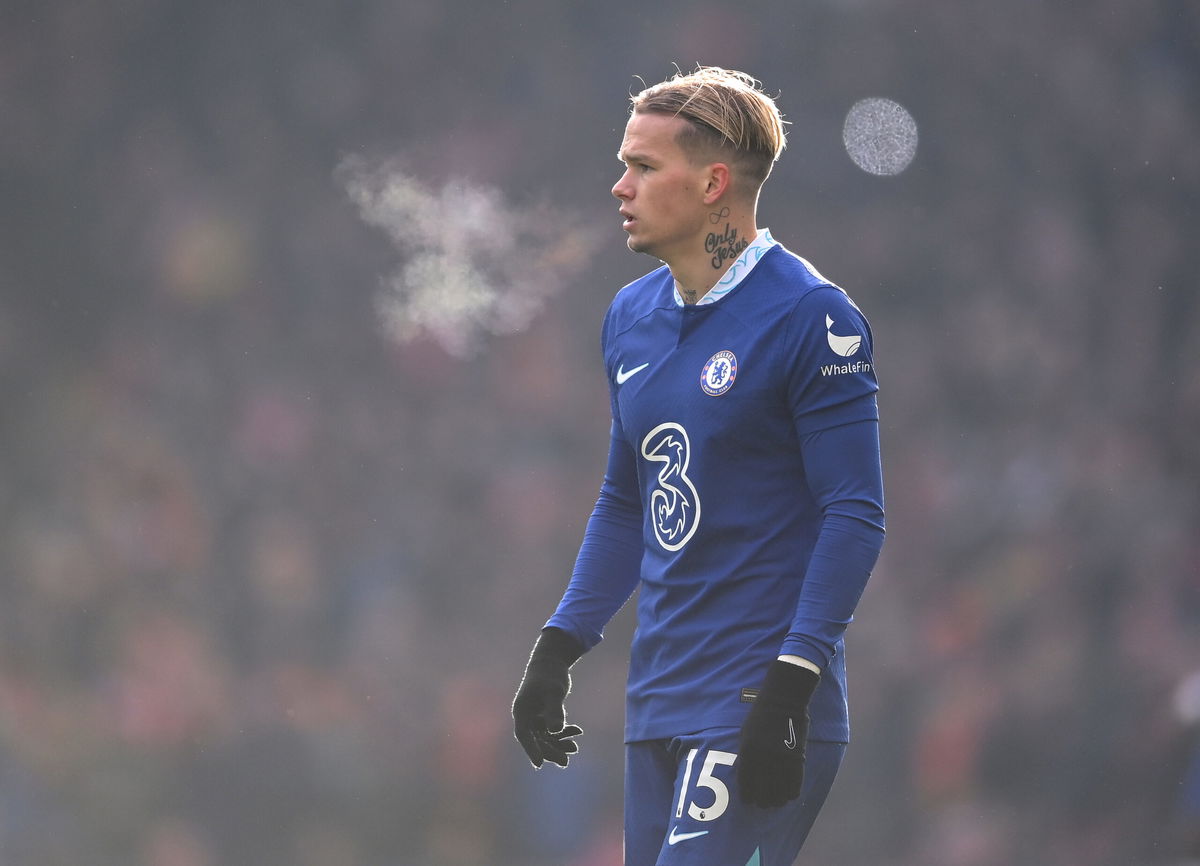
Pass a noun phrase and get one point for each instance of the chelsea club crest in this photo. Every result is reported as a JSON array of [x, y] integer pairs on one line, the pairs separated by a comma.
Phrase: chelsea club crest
[[718, 374]]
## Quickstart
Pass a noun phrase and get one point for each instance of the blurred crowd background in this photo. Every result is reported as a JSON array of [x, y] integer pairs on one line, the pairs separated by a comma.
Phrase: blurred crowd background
[[269, 576]]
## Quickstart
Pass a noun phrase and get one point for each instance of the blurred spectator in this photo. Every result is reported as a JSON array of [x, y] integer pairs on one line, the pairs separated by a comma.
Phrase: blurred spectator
[[266, 571]]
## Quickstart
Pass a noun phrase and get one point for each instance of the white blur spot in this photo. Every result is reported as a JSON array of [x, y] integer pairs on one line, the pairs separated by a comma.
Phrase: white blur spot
[[880, 136], [473, 263]]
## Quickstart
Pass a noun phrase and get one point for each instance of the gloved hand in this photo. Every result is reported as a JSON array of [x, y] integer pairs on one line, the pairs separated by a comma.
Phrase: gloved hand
[[539, 715], [770, 764]]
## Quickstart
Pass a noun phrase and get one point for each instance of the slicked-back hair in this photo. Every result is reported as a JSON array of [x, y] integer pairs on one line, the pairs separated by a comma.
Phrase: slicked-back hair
[[729, 117]]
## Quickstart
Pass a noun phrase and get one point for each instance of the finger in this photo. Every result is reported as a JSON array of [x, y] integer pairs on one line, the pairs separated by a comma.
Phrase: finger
[[563, 739], [765, 795], [753, 782], [767, 791], [556, 751], [564, 746], [531, 743], [556, 756], [557, 748], [749, 793]]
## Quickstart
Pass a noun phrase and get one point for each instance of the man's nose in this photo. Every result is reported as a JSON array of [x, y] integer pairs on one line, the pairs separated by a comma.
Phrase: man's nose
[[621, 187]]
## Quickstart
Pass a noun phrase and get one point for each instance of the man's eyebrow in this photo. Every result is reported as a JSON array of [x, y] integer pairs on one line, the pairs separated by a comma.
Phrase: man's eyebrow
[[631, 157]]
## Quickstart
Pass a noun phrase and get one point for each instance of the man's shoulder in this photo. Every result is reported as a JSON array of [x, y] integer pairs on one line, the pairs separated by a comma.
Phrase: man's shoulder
[[795, 275], [643, 295], [792, 285], [645, 289]]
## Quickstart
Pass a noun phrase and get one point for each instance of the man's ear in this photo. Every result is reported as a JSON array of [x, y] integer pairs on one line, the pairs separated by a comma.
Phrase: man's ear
[[716, 182]]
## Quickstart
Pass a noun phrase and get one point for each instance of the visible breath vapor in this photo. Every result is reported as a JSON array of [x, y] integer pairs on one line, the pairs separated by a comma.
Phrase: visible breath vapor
[[473, 263]]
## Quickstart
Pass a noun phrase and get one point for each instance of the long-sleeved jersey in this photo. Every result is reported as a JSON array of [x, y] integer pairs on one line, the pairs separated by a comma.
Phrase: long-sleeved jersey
[[743, 494]]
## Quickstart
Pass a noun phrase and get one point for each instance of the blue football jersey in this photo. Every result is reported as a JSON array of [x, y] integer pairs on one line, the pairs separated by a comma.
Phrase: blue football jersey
[[711, 404]]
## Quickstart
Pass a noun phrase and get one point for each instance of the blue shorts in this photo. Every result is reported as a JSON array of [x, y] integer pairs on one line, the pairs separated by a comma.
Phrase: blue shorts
[[682, 804]]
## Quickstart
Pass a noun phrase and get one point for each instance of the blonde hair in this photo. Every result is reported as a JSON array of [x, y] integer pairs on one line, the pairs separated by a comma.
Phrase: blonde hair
[[727, 113]]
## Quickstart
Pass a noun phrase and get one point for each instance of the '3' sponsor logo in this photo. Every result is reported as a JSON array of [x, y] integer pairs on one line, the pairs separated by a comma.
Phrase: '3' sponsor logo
[[674, 503]]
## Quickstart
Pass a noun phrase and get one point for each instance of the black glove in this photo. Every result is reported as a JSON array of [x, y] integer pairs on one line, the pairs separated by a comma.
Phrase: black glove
[[770, 765], [538, 713]]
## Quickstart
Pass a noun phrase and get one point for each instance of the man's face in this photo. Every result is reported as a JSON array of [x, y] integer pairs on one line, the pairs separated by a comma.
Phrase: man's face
[[661, 191]]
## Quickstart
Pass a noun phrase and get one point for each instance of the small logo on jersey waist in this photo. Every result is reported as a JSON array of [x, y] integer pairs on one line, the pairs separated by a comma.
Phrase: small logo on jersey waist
[[624, 375], [718, 374], [676, 836], [844, 346]]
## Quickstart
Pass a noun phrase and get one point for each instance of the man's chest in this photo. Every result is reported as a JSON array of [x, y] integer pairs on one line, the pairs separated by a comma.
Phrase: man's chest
[[714, 377]]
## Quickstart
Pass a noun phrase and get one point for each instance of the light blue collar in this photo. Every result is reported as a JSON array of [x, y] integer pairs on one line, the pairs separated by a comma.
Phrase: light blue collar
[[737, 272]]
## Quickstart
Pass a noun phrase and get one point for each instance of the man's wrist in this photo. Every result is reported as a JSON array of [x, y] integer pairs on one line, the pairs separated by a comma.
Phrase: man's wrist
[[556, 645], [788, 686], [801, 662]]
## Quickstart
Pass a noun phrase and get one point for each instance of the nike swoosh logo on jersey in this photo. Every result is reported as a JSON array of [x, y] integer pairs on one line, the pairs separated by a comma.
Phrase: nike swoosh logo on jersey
[[683, 837], [790, 742], [624, 375]]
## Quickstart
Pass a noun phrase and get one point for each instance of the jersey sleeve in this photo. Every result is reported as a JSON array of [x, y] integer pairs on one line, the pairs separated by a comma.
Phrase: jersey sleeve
[[832, 390], [608, 565], [830, 362], [845, 477]]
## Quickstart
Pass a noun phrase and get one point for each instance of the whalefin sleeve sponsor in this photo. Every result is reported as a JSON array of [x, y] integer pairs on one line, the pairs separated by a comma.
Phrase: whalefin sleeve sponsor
[[831, 373]]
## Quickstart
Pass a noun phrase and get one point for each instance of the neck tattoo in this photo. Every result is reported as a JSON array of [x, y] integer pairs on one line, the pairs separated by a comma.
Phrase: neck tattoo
[[725, 246]]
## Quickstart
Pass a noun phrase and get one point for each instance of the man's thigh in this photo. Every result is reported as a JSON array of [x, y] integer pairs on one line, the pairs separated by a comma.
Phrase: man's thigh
[[682, 806]]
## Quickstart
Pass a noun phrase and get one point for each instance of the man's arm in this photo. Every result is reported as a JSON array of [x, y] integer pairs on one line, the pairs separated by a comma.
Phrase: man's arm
[[837, 421], [605, 575], [844, 475], [846, 479], [608, 566]]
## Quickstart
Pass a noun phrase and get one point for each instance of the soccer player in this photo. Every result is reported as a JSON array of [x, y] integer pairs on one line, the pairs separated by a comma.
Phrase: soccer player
[[743, 497]]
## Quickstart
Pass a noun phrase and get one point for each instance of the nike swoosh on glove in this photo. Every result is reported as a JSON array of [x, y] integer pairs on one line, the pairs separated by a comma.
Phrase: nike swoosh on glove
[[539, 712], [770, 764]]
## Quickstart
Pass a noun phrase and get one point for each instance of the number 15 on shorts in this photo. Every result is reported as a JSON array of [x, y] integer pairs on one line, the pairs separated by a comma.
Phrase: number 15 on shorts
[[699, 809]]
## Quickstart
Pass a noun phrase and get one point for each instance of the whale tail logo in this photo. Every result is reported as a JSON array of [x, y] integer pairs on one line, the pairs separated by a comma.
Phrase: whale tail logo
[[844, 346]]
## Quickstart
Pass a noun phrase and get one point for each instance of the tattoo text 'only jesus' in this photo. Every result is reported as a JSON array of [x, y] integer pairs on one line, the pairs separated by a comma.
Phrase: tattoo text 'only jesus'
[[724, 246]]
